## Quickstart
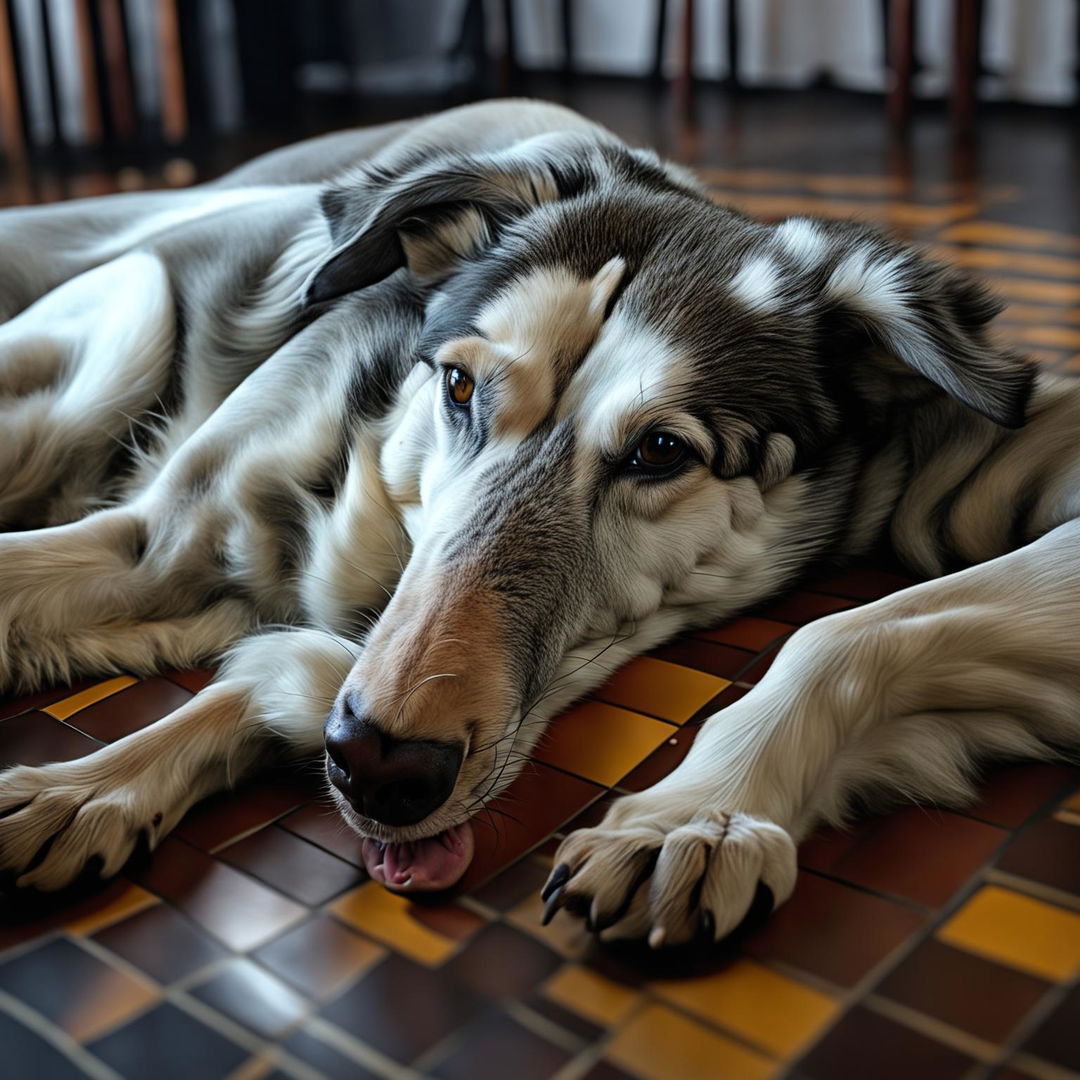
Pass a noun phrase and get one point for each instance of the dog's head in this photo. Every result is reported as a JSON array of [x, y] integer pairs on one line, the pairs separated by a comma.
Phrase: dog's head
[[633, 410]]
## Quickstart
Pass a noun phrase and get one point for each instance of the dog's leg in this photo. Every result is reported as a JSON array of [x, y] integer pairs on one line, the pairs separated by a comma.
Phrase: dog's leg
[[272, 698], [900, 698]]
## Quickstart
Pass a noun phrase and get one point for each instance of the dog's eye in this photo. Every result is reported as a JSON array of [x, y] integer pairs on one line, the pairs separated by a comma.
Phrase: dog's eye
[[659, 453], [459, 385]]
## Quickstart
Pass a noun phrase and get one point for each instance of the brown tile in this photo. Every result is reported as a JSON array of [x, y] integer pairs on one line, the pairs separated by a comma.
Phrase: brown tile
[[514, 884], [604, 1070], [1056, 1039], [1048, 852], [225, 817], [708, 656], [372, 1010], [193, 679], [826, 846], [291, 865], [748, 632], [861, 584], [168, 1044], [235, 909], [496, 1047], [252, 997], [34, 738], [162, 943], [74, 703], [319, 957], [322, 825], [95, 910], [920, 853], [864, 1044], [661, 761], [76, 991], [13, 704], [534, 806], [800, 608], [569, 1021], [27, 1054], [130, 710], [501, 962], [1012, 793], [833, 931], [964, 990]]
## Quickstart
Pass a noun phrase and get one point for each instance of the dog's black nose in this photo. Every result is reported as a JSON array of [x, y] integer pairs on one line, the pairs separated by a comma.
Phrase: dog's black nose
[[395, 781]]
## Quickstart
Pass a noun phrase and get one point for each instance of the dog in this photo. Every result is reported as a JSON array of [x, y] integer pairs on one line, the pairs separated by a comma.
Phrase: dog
[[426, 429]]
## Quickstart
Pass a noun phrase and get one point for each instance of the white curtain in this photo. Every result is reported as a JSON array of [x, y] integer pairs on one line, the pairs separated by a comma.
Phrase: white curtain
[[1029, 46]]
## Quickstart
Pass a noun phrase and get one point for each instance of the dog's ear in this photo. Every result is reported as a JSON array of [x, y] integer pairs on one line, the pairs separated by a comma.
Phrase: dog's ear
[[922, 316], [433, 212]]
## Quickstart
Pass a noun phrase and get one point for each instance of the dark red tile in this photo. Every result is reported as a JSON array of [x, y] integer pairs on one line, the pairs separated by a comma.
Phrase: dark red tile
[[253, 998], [964, 990], [291, 865], [162, 943], [319, 957], [592, 815], [861, 584], [323, 826], [756, 671], [496, 1047], [710, 656], [661, 761], [864, 1044], [225, 817], [234, 908], [578, 1026], [168, 1044], [35, 738], [834, 931], [1057, 1039], [1012, 793], [502, 962], [13, 704], [194, 679], [130, 710], [403, 1008], [604, 1070], [799, 608], [919, 853], [27, 1054], [513, 885], [537, 803], [1049, 852], [326, 1059], [826, 846]]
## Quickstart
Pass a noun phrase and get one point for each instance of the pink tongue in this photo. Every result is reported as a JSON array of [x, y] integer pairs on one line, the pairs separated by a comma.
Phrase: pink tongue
[[436, 862]]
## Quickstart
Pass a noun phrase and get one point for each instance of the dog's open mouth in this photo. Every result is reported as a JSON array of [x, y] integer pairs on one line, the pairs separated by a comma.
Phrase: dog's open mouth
[[436, 862]]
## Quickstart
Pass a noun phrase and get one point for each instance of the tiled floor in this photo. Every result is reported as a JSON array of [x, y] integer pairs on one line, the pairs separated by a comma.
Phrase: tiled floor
[[927, 943]]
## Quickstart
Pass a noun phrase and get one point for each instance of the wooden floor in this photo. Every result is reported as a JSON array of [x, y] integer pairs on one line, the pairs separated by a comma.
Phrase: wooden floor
[[926, 943]]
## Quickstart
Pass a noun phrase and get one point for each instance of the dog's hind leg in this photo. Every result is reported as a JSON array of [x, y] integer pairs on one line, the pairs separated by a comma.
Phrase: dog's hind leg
[[79, 371], [898, 700], [271, 700]]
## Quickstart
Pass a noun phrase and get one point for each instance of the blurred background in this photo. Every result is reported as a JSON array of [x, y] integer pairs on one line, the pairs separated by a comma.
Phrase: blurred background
[[97, 95]]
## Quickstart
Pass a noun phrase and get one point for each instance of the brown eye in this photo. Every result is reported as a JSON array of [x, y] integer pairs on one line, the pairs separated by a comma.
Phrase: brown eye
[[659, 452], [460, 385]]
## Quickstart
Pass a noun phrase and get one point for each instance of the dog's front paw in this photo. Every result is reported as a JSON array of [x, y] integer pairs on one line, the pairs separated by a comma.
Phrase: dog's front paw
[[57, 819], [648, 872]]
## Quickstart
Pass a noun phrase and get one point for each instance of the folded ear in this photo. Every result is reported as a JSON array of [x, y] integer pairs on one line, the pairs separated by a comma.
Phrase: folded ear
[[930, 319], [433, 212]]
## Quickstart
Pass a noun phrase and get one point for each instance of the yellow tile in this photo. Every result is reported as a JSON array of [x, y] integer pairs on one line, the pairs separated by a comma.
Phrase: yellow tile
[[601, 742], [992, 232], [659, 1044], [566, 935], [1042, 292], [385, 916], [748, 999], [130, 900], [667, 690], [1072, 802], [70, 706], [1017, 930], [592, 995]]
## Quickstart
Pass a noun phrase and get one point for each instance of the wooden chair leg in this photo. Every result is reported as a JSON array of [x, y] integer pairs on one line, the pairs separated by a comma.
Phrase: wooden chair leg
[[967, 32], [11, 119], [684, 77], [901, 65]]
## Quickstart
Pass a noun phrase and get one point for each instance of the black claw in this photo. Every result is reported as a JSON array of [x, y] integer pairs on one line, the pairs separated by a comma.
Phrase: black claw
[[553, 904], [559, 877]]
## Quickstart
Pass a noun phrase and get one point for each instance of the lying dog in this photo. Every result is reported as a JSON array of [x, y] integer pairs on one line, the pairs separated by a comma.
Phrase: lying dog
[[431, 446]]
